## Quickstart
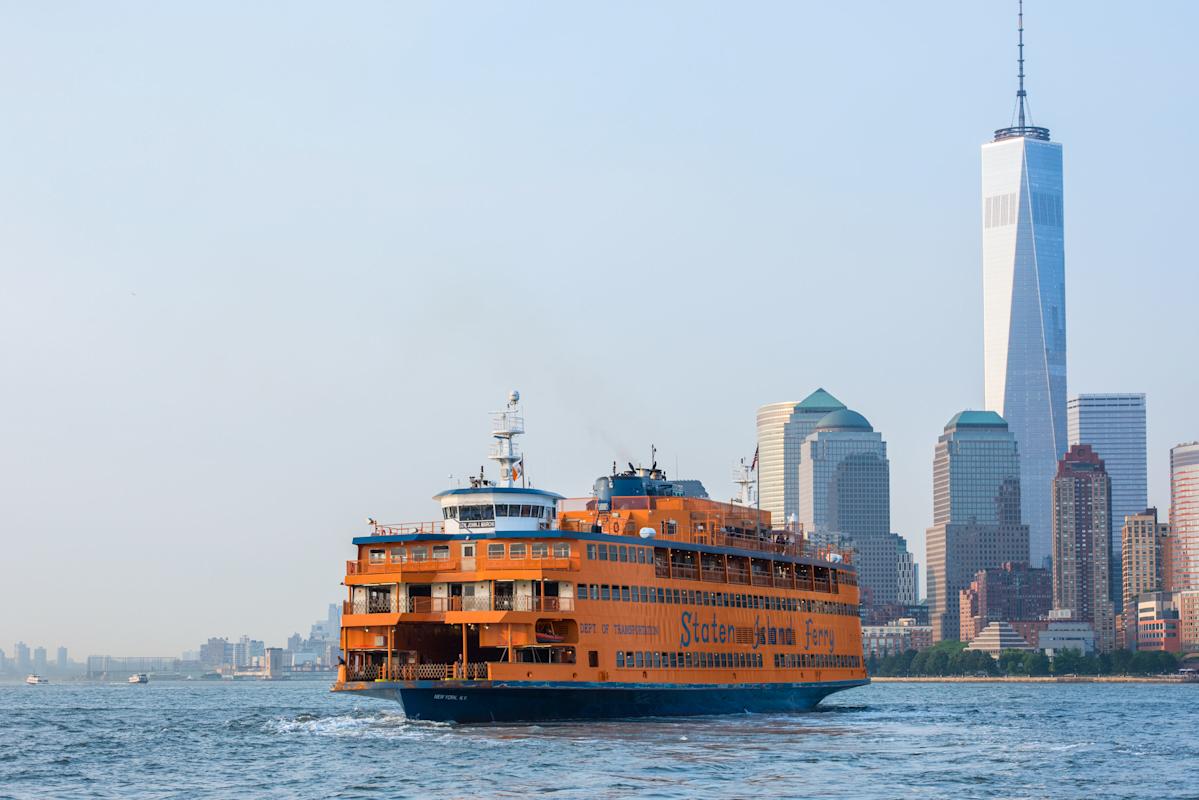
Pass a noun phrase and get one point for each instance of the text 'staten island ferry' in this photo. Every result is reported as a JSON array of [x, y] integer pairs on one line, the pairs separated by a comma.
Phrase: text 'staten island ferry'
[[645, 599]]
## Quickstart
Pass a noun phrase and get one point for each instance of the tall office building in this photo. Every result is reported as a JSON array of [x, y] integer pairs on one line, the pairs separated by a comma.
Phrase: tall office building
[[39, 659], [845, 493], [1114, 425], [909, 579], [1082, 538], [1143, 551], [976, 511], [61, 662], [1024, 304], [1184, 517], [782, 428], [20, 654]]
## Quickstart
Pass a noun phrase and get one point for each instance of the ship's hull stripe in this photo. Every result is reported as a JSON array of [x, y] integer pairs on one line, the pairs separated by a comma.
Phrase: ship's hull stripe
[[513, 701]]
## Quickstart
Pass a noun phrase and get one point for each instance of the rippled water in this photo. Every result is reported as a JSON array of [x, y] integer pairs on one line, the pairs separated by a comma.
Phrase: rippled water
[[295, 739]]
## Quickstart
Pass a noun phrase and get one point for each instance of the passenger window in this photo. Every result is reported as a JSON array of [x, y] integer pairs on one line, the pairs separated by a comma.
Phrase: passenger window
[[398, 555], [495, 550], [620, 658], [624, 593], [540, 549], [516, 550], [591, 552], [592, 658], [624, 553], [420, 554], [441, 552], [605, 593], [595, 591], [561, 550], [581, 591], [378, 556], [603, 552]]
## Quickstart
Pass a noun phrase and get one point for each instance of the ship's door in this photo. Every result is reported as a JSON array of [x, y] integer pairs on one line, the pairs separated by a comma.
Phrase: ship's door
[[468, 557]]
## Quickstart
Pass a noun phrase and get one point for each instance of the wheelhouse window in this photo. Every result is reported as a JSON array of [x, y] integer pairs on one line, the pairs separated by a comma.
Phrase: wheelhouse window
[[495, 550], [561, 550], [539, 549], [516, 550], [399, 555], [441, 552], [377, 556], [476, 513], [420, 553]]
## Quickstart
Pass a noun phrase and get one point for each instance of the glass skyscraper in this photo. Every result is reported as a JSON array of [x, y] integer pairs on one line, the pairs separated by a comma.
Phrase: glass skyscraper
[[782, 428], [1024, 306], [1114, 426], [1184, 517], [976, 512]]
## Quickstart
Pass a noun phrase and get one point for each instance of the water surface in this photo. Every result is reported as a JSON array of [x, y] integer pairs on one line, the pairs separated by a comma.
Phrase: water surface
[[295, 739]]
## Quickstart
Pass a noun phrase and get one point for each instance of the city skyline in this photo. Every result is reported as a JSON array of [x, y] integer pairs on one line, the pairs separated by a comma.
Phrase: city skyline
[[229, 308]]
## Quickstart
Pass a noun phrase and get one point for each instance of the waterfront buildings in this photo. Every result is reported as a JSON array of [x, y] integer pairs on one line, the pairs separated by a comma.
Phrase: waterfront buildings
[[1184, 517], [1012, 592], [1082, 542], [1024, 304], [61, 661], [782, 428], [1065, 634], [1114, 426], [39, 660], [1143, 552], [997, 637], [1158, 623], [976, 511], [898, 636]]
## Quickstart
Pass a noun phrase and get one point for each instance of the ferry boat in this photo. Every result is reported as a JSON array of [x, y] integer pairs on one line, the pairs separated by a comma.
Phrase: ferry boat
[[36, 680], [139, 677], [645, 599]]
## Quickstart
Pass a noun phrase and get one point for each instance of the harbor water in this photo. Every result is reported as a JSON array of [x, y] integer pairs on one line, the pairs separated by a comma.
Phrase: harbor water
[[295, 739]]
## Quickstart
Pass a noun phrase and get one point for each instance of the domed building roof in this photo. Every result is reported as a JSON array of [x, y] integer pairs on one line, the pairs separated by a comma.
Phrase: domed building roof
[[843, 420]]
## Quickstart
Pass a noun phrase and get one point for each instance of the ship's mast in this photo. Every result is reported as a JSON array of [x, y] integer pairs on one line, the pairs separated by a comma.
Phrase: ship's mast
[[505, 425], [743, 478]]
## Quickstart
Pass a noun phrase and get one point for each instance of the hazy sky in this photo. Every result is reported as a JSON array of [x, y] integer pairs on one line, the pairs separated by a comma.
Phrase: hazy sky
[[265, 268]]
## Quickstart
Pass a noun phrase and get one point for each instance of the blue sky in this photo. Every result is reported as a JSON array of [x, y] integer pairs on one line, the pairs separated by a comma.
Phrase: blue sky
[[264, 268]]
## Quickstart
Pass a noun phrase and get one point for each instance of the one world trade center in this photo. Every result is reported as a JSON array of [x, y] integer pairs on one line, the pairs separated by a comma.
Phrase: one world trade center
[[1024, 305]]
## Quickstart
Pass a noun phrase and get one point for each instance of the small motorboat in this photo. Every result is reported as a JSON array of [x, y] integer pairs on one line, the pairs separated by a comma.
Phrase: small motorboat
[[139, 677], [36, 680], [549, 637]]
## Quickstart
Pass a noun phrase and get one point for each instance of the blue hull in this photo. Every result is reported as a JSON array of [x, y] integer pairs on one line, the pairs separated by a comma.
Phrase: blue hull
[[484, 701]]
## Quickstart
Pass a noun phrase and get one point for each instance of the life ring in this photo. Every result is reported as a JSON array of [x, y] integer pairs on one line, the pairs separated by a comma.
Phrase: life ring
[[615, 527]]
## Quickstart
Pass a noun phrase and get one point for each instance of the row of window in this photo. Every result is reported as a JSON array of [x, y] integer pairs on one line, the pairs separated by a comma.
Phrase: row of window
[[402, 555], [620, 552], [495, 550], [690, 597], [478, 512], [534, 550], [815, 660], [687, 660]]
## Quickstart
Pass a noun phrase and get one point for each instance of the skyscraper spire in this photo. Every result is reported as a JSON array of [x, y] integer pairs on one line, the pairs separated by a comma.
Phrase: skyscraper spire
[[1020, 93], [1023, 123]]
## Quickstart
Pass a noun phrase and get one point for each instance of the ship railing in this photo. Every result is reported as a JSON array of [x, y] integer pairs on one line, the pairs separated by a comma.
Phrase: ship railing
[[544, 562], [471, 671], [738, 575], [409, 565], [440, 605], [408, 528], [761, 579], [713, 574], [684, 571]]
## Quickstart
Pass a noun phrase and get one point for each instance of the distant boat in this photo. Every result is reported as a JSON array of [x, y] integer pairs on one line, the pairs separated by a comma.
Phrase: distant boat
[[35, 680], [139, 677]]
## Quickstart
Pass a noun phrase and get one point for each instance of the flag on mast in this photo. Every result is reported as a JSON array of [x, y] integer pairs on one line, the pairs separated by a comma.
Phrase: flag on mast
[[754, 465]]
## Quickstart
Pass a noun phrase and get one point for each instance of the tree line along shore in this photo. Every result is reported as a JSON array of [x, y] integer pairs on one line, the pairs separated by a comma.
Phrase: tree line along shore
[[953, 660]]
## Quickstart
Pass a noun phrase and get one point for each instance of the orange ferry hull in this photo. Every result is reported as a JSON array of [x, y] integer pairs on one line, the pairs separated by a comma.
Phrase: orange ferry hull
[[511, 701]]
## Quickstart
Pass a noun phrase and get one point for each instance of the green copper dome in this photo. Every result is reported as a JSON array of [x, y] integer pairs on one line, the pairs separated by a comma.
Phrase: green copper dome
[[843, 420]]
